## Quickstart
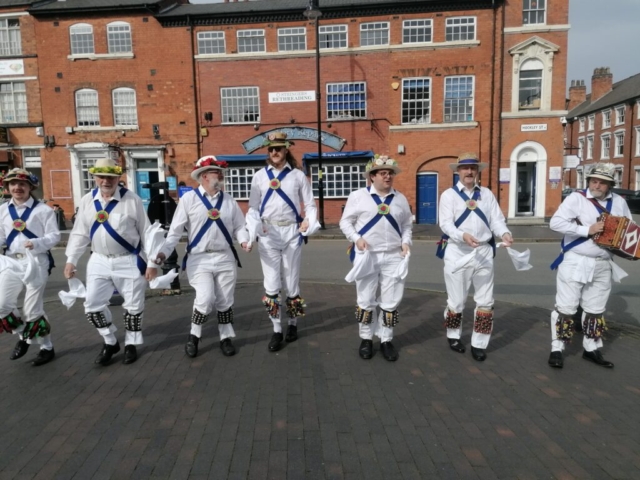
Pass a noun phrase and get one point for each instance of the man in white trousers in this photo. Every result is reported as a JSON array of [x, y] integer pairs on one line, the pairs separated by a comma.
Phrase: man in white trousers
[[378, 219], [212, 219], [469, 216], [27, 224], [584, 268], [277, 193], [112, 220]]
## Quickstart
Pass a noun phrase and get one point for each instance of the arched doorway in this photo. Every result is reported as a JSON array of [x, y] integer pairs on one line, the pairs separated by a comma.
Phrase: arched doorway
[[528, 167]]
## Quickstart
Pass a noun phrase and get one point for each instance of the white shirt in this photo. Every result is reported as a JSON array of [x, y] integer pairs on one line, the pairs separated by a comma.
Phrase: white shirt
[[382, 237], [128, 218], [192, 215], [295, 185], [41, 222], [576, 214], [452, 206]]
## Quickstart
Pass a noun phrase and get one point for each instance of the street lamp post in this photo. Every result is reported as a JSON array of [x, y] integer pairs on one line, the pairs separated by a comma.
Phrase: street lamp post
[[313, 14]]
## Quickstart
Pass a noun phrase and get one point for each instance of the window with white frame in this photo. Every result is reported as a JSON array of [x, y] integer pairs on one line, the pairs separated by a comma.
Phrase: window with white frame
[[13, 102], [416, 96], [606, 119], [251, 41], [605, 145], [620, 115], [581, 148], [458, 99], [581, 125], [290, 39], [618, 144], [590, 147], [119, 37], [125, 110], [81, 35], [237, 181], [591, 122], [240, 104], [416, 31], [530, 85], [338, 180], [211, 43], [346, 100], [637, 169], [376, 33], [579, 177], [533, 12], [86, 181], [459, 29], [638, 109], [333, 36], [10, 39], [87, 111], [637, 141], [617, 176]]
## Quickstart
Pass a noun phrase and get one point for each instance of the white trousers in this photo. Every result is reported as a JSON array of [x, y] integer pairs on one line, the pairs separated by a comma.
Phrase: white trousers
[[581, 281], [213, 276], [280, 255], [33, 307], [103, 274], [390, 288], [458, 279]]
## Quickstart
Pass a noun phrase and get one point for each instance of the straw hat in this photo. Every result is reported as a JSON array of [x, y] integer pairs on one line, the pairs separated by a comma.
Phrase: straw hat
[[466, 159], [21, 174], [208, 163], [603, 171], [277, 139], [106, 167], [381, 163]]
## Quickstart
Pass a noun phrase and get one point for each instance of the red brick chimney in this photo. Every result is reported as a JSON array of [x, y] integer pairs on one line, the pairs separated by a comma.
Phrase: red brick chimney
[[577, 94], [600, 83]]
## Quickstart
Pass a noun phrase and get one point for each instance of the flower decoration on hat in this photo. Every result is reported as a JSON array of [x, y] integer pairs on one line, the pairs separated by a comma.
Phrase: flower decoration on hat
[[382, 162], [277, 139], [117, 170], [210, 162], [20, 174]]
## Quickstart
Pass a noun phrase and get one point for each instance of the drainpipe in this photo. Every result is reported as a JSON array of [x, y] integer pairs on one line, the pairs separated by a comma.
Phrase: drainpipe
[[196, 104], [500, 100], [493, 83], [631, 144]]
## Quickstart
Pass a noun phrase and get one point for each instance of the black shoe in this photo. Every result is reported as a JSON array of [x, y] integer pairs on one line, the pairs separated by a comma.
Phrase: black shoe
[[388, 351], [456, 345], [228, 350], [292, 333], [478, 354], [596, 357], [276, 342], [44, 356], [19, 350], [130, 354], [108, 351], [366, 349], [191, 348], [555, 360]]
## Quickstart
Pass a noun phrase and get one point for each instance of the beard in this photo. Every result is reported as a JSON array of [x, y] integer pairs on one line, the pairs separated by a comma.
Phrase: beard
[[216, 184]]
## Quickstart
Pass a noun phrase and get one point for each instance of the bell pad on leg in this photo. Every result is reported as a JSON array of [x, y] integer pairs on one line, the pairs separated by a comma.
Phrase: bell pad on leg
[[389, 319], [364, 316], [198, 318], [272, 304], [295, 307], [594, 325], [564, 327], [452, 319], [36, 328], [225, 318], [10, 323], [132, 322], [483, 322], [98, 320]]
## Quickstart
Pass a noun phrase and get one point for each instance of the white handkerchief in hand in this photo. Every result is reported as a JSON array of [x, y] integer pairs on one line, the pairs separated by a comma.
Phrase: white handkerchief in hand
[[154, 240], [403, 268], [164, 281], [463, 261], [520, 259], [76, 290], [254, 225], [617, 273], [362, 266], [32, 275], [11, 264], [313, 228]]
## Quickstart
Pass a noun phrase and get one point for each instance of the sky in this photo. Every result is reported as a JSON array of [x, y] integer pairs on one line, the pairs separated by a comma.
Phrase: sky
[[604, 33]]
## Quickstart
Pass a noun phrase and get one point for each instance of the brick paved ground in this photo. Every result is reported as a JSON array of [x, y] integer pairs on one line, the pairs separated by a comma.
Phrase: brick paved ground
[[315, 409]]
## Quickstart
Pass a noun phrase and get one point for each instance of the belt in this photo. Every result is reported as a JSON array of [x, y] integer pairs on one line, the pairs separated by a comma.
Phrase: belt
[[113, 255], [215, 251], [281, 223]]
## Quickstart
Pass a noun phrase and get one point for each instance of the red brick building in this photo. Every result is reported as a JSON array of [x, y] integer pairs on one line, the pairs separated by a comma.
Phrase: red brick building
[[419, 80], [604, 126]]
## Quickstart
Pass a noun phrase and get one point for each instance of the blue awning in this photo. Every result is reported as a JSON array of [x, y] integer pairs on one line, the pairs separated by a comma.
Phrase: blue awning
[[258, 158], [357, 154]]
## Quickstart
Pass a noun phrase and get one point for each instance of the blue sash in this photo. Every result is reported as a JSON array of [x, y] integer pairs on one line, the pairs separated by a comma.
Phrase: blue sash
[[382, 212], [214, 216], [442, 244], [274, 186], [579, 241], [103, 220], [25, 231]]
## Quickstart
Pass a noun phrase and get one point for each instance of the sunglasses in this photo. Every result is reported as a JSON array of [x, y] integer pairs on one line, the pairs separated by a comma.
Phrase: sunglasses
[[274, 149]]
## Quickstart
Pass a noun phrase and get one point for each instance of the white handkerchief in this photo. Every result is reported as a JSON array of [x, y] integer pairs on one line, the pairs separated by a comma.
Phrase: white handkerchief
[[154, 239], [254, 225], [362, 266], [11, 264], [313, 228], [32, 275], [520, 259], [403, 268], [617, 273], [164, 281], [463, 261], [76, 290]]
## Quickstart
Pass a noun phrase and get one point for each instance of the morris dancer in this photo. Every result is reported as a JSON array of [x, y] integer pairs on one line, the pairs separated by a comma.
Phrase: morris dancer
[[276, 194], [584, 268], [212, 219], [27, 224], [469, 216], [378, 219], [112, 220]]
